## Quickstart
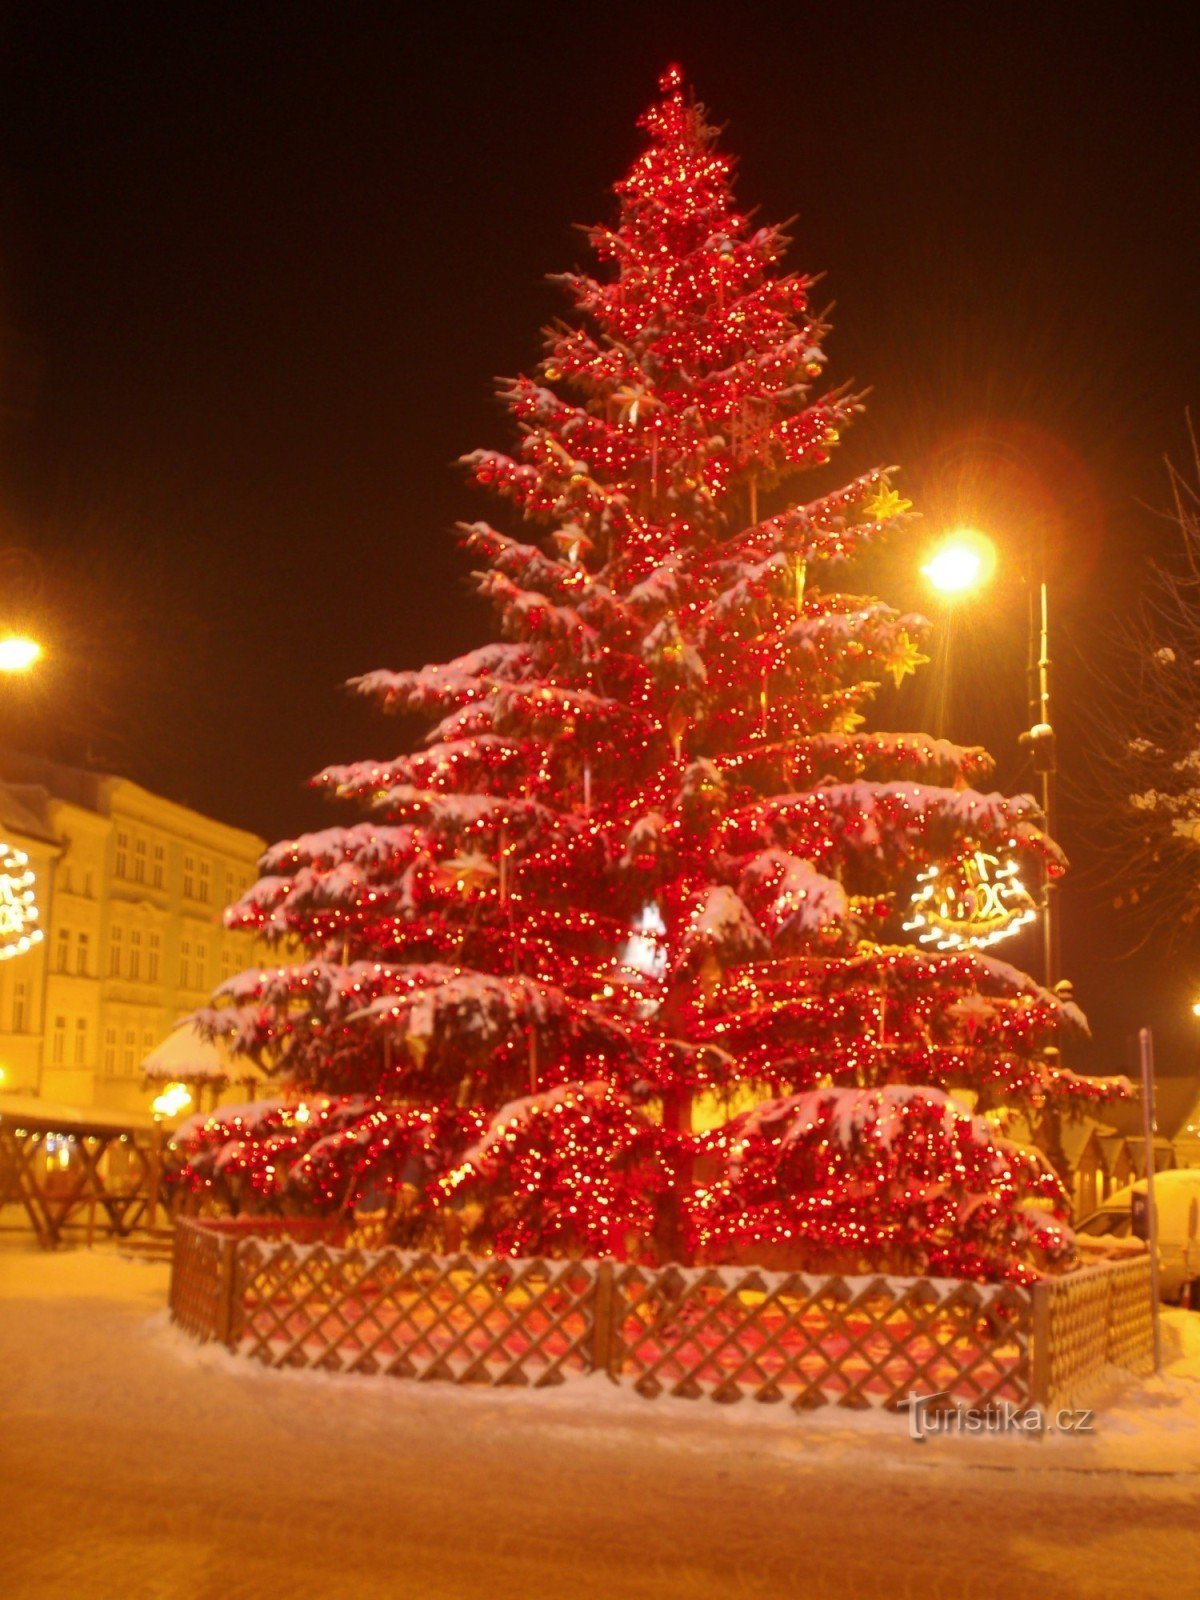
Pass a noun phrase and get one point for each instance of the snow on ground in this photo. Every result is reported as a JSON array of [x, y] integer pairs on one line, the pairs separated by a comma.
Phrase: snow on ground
[[141, 1466]]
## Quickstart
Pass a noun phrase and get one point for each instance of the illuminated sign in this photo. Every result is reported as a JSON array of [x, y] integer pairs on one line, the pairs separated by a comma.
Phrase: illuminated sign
[[972, 903], [18, 907]]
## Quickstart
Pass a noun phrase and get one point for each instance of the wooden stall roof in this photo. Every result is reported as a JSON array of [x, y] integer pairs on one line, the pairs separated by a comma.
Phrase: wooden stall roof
[[50, 1116]]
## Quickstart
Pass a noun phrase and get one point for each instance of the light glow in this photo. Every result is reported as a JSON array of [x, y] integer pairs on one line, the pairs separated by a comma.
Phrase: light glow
[[963, 562], [18, 905], [176, 1097], [968, 906], [18, 653]]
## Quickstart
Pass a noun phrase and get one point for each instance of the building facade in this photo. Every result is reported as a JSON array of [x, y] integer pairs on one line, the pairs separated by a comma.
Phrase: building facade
[[129, 890]]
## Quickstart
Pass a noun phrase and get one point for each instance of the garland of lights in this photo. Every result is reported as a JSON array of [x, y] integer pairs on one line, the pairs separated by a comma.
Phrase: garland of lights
[[19, 931]]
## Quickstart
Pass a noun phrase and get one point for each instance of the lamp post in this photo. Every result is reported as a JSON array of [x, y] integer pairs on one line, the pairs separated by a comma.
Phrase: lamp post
[[1040, 742], [961, 564], [18, 653]]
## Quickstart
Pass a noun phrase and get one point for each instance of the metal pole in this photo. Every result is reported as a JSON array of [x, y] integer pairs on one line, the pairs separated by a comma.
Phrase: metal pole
[[1146, 1058], [1050, 948]]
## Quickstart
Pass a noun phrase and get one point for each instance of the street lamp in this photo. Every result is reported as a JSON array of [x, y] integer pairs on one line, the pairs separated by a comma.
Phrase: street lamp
[[962, 563], [18, 652]]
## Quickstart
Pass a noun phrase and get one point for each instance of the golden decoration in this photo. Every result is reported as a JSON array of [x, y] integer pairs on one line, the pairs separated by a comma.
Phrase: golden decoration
[[908, 658], [886, 504]]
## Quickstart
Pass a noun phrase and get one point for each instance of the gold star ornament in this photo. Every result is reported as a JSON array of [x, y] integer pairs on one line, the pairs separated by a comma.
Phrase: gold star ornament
[[908, 658], [885, 504]]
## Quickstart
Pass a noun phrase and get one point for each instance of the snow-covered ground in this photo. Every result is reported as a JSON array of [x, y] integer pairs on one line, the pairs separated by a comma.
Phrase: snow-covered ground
[[138, 1465]]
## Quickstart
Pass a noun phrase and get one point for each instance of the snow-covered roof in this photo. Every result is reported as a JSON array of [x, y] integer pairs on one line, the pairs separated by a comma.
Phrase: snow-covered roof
[[186, 1056]]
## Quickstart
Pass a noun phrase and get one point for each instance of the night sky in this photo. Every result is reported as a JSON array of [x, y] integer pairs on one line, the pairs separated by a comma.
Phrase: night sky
[[259, 265]]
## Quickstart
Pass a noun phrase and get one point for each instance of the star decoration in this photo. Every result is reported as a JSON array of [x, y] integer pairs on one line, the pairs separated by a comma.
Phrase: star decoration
[[848, 722], [887, 503], [907, 659], [632, 401], [469, 872], [572, 541], [972, 1011]]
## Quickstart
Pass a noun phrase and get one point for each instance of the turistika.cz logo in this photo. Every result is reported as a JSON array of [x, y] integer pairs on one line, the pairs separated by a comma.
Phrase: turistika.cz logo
[[930, 1414]]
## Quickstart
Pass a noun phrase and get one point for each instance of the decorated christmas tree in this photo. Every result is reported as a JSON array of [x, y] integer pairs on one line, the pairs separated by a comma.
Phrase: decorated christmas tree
[[653, 948]]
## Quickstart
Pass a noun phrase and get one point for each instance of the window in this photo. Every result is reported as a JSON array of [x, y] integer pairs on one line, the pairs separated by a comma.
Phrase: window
[[153, 952], [81, 1033], [189, 877], [206, 881], [139, 861], [89, 886], [147, 1042], [135, 953], [185, 964], [68, 886], [158, 870], [82, 952], [229, 889], [128, 1061], [200, 964], [58, 1042], [122, 861], [62, 950], [110, 1051], [116, 938], [20, 1006]]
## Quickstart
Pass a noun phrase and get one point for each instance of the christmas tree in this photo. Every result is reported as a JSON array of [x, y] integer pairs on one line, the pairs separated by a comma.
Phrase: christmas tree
[[652, 948]]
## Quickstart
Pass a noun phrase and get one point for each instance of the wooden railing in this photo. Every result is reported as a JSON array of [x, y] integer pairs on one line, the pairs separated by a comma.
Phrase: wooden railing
[[723, 1333], [84, 1172], [1088, 1322]]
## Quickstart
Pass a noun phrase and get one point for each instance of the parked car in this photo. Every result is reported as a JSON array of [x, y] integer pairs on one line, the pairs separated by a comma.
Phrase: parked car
[[1117, 1228]]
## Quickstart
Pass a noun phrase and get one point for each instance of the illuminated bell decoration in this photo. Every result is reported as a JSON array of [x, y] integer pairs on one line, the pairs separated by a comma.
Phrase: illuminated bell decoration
[[18, 907], [976, 902]]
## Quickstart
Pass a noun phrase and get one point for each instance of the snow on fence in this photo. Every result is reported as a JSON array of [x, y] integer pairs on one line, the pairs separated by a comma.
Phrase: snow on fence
[[284, 1294]]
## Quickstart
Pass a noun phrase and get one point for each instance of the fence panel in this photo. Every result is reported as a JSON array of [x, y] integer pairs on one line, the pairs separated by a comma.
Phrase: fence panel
[[196, 1286], [413, 1315], [731, 1334], [1089, 1321]]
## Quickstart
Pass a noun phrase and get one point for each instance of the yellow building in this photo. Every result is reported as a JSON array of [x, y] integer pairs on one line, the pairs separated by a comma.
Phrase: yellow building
[[129, 889]]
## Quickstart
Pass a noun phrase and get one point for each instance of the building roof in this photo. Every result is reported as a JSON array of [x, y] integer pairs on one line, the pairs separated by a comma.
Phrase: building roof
[[22, 812], [186, 1056], [51, 1116], [76, 784], [35, 781], [1174, 1101]]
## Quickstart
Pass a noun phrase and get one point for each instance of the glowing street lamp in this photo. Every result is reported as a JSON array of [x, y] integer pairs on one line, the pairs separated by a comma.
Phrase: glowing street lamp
[[964, 561], [175, 1098], [18, 653]]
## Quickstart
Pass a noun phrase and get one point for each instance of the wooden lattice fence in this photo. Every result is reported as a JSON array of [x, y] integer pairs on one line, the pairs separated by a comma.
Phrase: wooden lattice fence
[[723, 1333], [1088, 1322]]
